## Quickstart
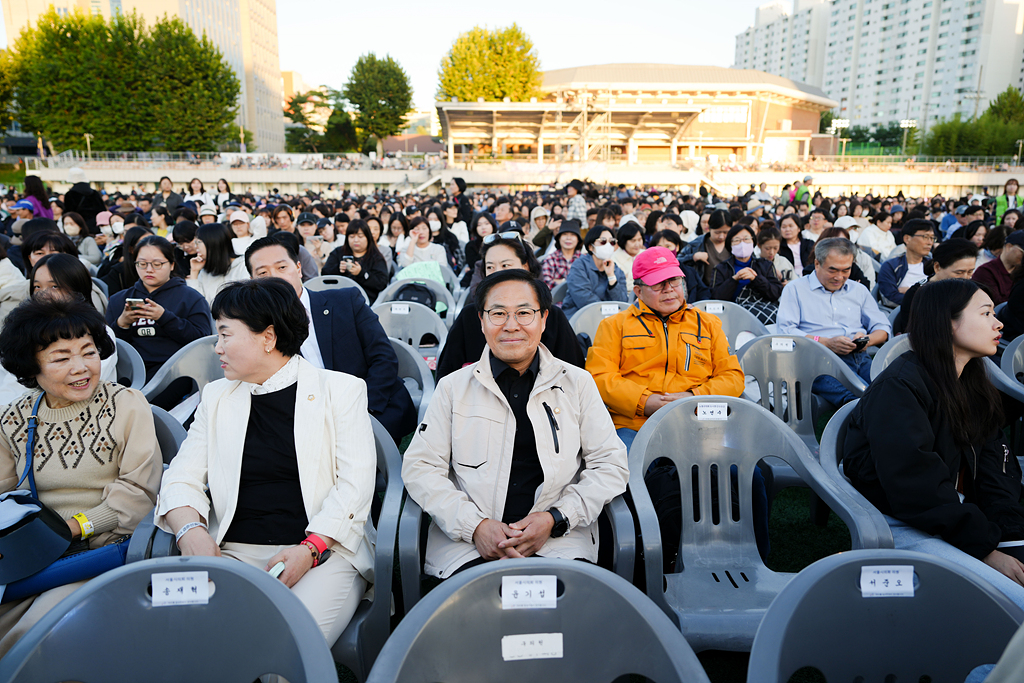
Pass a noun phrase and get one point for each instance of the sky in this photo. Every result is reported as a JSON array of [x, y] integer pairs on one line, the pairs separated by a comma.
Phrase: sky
[[322, 39]]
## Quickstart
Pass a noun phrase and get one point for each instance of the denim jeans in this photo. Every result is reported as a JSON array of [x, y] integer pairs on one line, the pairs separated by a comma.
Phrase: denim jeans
[[832, 390]]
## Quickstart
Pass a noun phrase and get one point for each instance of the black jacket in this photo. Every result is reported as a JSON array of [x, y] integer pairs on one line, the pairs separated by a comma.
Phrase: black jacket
[[86, 202], [899, 452], [373, 276], [806, 252], [1012, 314], [766, 284], [466, 341], [465, 212]]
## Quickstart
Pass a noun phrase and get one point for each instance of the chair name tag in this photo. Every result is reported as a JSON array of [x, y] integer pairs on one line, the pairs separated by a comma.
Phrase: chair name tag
[[400, 309], [714, 308], [531, 646], [887, 581], [783, 345], [609, 309], [528, 592], [712, 411], [180, 588]]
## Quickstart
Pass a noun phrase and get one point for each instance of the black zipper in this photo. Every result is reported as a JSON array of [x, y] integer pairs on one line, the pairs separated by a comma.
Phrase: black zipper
[[554, 425], [664, 323]]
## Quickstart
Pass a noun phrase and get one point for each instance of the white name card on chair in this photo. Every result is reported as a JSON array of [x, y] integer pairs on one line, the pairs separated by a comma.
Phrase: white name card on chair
[[400, 309], [531, 646], [714, 308], [712, 411], [609, 309], [529, 592], [180, 588], [887, 581], [783, 345]]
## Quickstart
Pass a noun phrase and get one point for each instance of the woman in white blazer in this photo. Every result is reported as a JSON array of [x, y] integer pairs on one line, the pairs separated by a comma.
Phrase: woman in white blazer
[[286, 451]]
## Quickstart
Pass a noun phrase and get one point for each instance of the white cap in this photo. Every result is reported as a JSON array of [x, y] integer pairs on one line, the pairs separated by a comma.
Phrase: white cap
[[76, 175], [627, 219], [845, 222], [239, 216], [208, 210]]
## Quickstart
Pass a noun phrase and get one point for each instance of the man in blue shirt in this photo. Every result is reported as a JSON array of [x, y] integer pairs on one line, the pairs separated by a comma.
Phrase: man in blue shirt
[[829, 308]]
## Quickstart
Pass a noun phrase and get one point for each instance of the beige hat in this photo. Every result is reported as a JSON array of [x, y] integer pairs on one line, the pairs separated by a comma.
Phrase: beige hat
[[239, 216], [753, 204]]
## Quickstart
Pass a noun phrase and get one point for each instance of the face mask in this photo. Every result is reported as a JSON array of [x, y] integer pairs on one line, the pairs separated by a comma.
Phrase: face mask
[[604, 251], [435, 226], [118, 228], [105, 229], [71, 228], [743, 250]]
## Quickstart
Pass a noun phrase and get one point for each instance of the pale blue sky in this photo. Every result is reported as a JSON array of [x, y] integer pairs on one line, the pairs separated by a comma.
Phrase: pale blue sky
[[321, 39]]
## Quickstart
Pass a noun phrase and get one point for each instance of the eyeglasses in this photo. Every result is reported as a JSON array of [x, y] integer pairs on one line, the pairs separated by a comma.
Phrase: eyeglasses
[[927, 237], [673, 282], [145, 265], [507, 235], [524, 316], [603, 240]]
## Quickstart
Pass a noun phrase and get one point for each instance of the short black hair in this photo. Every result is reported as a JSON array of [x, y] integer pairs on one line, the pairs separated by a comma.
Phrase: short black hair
[[512, 275], [55, 241], [263, 302], [67, 271], [38, 322], [216, 237], [161, 243], [184, 232], [627, 232], [274, 240], [594, 234]]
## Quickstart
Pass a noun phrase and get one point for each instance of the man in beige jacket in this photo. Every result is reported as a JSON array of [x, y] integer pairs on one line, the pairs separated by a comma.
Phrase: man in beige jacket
[[517, 454]]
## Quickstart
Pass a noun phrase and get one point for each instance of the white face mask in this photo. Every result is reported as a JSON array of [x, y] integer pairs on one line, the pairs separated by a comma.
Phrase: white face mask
[[71, 228], [604, 251], [435, 226], [118, 228], [106, 230]]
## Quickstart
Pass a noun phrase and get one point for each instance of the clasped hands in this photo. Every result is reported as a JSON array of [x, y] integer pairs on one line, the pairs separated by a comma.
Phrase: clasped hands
[[495, 540]]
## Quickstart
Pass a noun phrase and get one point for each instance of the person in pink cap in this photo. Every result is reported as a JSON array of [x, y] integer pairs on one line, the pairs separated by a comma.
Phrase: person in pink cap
[[659, 350]]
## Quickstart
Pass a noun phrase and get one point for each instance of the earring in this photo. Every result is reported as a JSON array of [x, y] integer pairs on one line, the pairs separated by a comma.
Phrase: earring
[[268, 350]]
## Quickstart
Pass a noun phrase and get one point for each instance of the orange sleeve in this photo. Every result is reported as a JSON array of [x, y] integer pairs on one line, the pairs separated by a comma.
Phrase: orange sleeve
[[622, 396]]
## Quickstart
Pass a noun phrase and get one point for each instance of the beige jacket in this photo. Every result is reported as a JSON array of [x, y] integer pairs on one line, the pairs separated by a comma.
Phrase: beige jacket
[[335, 449], [459, 462]]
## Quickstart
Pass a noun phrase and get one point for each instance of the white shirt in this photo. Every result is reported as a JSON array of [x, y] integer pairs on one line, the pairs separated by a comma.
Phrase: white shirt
[[285, 377], [310, 349], [915, 274]]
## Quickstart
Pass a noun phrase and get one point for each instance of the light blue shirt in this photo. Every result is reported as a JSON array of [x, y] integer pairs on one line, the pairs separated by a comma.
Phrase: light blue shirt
[[807, 308]]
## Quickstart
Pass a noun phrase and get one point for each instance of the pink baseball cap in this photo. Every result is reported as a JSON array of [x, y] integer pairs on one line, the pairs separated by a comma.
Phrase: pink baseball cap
[[655, 265]]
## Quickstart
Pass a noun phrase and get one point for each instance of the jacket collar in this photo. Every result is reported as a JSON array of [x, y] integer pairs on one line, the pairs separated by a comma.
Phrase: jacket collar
[[550, 370], [639, 308]]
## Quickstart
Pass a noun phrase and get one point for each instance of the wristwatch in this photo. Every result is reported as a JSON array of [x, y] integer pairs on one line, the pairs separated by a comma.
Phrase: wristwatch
[[561, 527]]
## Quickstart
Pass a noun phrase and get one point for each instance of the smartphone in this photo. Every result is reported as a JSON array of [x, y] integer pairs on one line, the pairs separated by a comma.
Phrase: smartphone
[[276, 570], [348, 258], [861, 342], [133, 304]]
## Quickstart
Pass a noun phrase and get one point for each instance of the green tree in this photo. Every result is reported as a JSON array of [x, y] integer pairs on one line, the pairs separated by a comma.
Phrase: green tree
[[825, 121], [888, 135], [231, 142], [310, 108], [858, 135], [1008, 106], [379, 90], [303, 139], [492, 64], [340, 135], [986, 136]]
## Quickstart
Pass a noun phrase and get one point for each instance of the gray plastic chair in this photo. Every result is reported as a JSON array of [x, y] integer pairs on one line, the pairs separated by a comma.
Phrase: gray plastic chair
[[1012, 361], [608, 629], [440, 292], [169, 433], [413, 370], [890, 351], [253, 625], [893, 315], [999, 308], [451, 280], [411, 551], [586, 320], [131, 369], [721, 588], [195, 360], [102, 285], [954, 622], [411, 327], [325, 282], [558, 293], [463, 299], [735, 320], [362, 639]]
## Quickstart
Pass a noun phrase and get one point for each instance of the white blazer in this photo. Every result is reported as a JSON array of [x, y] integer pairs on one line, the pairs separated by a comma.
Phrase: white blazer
[[336, 457]]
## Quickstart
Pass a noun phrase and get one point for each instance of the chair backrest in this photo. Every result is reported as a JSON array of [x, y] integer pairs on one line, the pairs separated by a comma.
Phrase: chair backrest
[[893, 316], [439, 290], [195, 360], [463, 299], [252, 625], [735, 320], [890, 351], [131, 369], [1012, 362], [169, 433], [324, 282], [558, 293], [1011, 387], [586, 320], [416, 374], [102, 285], [794, 362], [410, 322], [999, 308], [451, 280], [460, 633], [954, 622]]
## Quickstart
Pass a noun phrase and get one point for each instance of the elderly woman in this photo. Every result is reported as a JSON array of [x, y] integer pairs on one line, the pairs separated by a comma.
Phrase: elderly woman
[[103, 486], [746, 279], [287, 456]]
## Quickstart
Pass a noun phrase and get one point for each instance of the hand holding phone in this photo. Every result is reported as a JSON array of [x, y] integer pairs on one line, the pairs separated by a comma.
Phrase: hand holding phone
[[861, 342], [133, 304]]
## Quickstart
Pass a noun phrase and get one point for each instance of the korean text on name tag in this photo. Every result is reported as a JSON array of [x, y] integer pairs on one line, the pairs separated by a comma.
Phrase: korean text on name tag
[[180, 588]]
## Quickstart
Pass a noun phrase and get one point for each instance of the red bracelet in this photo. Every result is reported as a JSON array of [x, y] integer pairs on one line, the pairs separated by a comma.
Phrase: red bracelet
[[318, 542], [313, 551]]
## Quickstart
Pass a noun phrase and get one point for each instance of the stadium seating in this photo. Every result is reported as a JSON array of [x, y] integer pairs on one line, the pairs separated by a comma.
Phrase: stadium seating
[[324, 282], [131, 369]]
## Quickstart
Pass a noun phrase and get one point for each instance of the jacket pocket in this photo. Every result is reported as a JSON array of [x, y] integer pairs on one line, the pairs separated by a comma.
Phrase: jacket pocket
[[476, 430], [637, 342]]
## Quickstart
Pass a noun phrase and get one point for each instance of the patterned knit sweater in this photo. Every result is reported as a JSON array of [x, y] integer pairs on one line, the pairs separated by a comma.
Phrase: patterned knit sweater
[[98, 457]]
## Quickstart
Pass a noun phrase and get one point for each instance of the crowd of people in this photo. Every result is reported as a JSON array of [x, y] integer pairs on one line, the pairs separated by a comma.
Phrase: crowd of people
[[525, 439]]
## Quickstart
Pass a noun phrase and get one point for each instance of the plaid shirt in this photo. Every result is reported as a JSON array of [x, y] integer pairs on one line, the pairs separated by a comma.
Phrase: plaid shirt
[[577, 209], [555, 267]]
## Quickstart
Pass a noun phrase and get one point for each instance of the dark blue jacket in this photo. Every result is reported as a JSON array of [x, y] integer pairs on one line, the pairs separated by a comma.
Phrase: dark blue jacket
[[352, 341], [891, 275], [186, 318], [586, 285]]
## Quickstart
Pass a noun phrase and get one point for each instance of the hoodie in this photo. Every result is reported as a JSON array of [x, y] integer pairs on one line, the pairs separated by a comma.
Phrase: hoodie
[[541, 237], [186, 318]]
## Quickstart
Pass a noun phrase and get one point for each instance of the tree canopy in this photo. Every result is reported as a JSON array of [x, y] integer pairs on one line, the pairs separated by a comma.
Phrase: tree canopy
[[131, 87], [994, 133], [492, 64], [381, 94]]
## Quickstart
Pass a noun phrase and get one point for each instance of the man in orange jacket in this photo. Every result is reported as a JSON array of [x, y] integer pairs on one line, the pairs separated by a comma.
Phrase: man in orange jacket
[[659, 350]]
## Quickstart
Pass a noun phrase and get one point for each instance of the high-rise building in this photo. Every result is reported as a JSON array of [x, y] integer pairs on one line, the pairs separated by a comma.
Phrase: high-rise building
[[888, 60], [786, 44], [245, 31]]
